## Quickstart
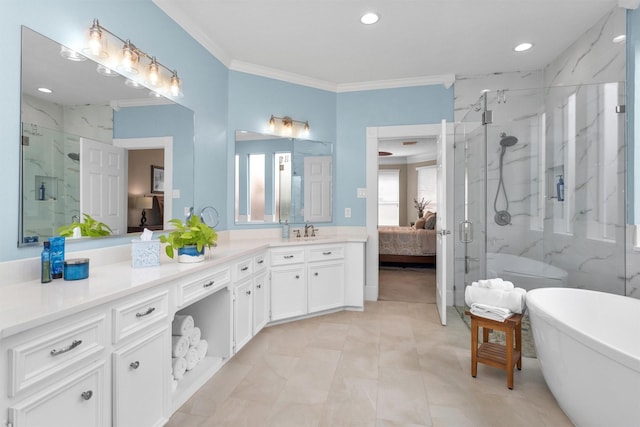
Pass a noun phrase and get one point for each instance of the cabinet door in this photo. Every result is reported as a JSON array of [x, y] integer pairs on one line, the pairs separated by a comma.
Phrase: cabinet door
[[243, 314], [141, 381], [260, 302], [288, 292], [79, 400], [326, 286]]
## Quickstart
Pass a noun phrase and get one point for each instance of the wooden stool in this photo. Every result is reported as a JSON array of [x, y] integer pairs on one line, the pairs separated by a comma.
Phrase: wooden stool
[[494, 354]]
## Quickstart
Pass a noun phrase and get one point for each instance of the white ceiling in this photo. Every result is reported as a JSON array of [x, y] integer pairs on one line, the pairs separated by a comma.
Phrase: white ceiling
[[322, 43]]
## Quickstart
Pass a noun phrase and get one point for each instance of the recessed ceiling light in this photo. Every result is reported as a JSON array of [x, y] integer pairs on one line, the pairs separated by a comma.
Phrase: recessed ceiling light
[[523, 46], [620, 38], [45, 90], [369, 18]]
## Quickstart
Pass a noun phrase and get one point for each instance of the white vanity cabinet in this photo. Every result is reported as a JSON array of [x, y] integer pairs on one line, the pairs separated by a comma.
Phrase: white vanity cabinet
[[325, 266], [140, 386], [250, 305], [288, 283]]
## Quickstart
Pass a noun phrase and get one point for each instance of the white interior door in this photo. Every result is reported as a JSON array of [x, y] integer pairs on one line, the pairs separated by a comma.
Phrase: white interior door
[[317, 188], [102, 184], [443, 233]]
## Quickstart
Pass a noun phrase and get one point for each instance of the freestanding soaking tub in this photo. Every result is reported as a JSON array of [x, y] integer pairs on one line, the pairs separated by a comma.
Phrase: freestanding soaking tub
[[588, 346]]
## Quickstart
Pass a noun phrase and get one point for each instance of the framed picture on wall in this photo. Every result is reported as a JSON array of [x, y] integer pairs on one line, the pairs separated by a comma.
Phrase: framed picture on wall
[[157, 179]]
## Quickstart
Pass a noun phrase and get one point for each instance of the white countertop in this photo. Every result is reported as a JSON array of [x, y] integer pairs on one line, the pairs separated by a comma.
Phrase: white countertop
[[25, 305]]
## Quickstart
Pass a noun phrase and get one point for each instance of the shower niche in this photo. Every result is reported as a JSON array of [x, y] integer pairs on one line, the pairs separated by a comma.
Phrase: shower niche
[[555, 183], [45, 188]]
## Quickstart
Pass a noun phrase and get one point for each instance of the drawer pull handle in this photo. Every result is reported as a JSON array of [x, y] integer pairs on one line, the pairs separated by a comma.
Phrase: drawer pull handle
[[146, 313], [245, 268], [326, 253], [73, 345], [86, 395], [288, 256], [259, 286], [206, 285], [248, 292], [134, 365], [261, 261], [297, 276], [315, 274]]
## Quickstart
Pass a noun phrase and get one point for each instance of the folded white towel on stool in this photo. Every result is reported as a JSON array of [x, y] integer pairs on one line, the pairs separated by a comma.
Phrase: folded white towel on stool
[[202, 348], [182, 324], [194, 336], [491, 312], [192, 358], [179, 345], [513, 300], [178, 367], [496, 283]]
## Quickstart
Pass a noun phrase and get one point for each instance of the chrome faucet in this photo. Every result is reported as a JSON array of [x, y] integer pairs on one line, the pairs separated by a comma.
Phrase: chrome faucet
[[75, 218], [306, 230]]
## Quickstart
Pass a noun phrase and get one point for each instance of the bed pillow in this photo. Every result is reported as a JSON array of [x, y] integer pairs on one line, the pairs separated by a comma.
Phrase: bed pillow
[[420, 223], [430, 223]]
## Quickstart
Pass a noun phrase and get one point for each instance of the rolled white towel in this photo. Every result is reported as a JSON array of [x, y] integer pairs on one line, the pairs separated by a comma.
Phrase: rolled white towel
[[202, 348], [194, 336], [491, 312], [513, 300], [178, 367], [192, 358], [496, 283], [182, 324], [179, 345]]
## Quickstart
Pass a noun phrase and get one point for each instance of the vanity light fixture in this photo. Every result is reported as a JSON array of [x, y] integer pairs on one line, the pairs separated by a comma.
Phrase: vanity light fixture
[[71, 54], [286, 126], [102, 44]]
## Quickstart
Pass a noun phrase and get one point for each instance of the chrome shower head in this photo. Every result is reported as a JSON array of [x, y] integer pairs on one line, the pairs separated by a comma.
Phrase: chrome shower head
[[507, 141]]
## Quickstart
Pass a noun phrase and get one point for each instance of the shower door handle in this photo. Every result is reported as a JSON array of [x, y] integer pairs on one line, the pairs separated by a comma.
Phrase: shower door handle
[[465, 231]]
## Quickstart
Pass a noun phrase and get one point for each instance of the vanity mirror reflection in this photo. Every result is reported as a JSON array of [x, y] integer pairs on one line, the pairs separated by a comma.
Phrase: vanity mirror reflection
[[93, 113], [281, 179]]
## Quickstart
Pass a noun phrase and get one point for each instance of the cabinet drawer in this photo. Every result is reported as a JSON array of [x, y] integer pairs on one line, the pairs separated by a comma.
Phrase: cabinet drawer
[[137, 313], [260, 262], [78, 401], [243, 269], [325, 253], [287, 256], [195, 289], [33, 360]]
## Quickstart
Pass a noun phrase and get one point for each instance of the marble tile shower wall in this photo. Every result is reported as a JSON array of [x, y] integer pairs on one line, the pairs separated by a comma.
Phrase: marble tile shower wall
[[52, 134], [584, 236]]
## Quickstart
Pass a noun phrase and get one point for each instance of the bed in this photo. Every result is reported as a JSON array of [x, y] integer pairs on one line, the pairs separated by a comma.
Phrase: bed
[[406, 245]]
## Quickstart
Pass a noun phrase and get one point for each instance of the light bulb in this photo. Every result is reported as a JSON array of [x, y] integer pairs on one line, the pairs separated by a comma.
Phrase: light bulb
[[95, 38], [175, 84], [129, 57], [307, 129], [154, 72]]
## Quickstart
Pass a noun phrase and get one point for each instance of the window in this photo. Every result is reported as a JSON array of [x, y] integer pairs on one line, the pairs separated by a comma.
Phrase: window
[[256, 187], [427, 187], [389, 197]]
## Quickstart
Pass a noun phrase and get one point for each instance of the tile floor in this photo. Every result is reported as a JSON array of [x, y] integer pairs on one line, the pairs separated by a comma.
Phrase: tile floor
[[391, 365]]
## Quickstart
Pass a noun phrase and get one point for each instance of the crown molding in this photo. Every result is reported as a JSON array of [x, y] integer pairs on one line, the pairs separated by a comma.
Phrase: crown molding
[[445, 79], [272, 73]]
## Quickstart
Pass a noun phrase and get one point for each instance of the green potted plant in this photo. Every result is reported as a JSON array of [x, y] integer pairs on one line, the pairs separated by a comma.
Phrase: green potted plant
[[89, 227], [189, 239]]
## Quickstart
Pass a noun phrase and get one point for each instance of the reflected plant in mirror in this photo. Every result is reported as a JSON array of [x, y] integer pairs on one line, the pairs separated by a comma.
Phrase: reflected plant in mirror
[[79, 137], [282, 180]]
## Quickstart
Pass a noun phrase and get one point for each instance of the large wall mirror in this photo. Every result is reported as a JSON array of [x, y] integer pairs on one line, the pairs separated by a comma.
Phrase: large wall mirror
[[282, 180], [97, 144]]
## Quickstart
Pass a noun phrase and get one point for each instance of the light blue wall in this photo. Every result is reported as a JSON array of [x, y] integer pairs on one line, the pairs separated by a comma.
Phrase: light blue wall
[[390, 107], [205, 83]]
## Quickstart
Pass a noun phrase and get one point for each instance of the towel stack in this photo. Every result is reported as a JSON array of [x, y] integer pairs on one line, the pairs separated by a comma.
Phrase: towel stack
[[495, 299], [188, 347]]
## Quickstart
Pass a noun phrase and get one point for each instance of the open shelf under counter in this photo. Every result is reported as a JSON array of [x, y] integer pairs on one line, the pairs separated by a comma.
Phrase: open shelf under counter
[[194, 379]]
